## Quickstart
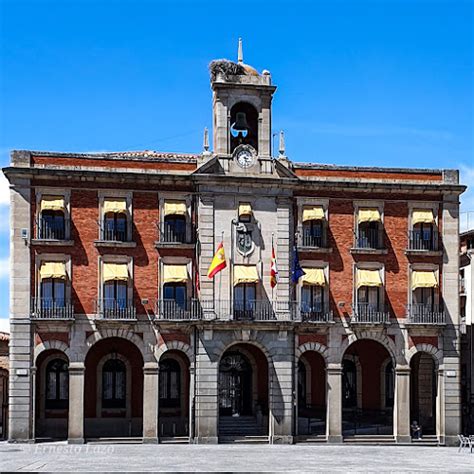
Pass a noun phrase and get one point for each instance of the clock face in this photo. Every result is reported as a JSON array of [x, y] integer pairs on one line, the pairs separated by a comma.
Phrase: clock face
[[245, 158]]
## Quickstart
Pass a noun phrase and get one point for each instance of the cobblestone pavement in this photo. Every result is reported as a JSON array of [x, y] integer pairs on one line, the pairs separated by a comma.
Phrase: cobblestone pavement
[[299, 458]]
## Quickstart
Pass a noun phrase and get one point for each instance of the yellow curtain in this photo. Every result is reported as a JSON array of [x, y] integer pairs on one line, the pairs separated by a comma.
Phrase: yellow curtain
[[115, 271], [423, 279], [369, 215], [245, 209], [175, 208], [422, 216], [314, 276], [313, 213], [245, 274], [53, 270], [175, 274], [52, 203], [115, 205], [368, 278]]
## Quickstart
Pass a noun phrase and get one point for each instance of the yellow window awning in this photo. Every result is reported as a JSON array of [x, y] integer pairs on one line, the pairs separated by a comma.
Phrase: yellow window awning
[[314, 276], [53, 270], [245, 209], [368, 278], [313, 213], [115, 271], [422, 216], [52, 203], [175, 208], [423, 279], [175, 274], [115, 205], [245, 274], [368, 215]]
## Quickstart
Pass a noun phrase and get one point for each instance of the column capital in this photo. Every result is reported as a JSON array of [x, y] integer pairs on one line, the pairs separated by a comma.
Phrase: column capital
[[402, 369], [76, 367], [334, 368], [151, 368]]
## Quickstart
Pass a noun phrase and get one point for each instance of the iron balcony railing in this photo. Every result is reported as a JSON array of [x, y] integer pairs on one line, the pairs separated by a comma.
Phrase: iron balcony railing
[[423, 240], [51, 229], [171, 310], [51, 308], [309, 238], [316, 312], [421, 313], [115, 308], [370, 313], [113, 234], [369, 239], [249, 310], [172, 234]]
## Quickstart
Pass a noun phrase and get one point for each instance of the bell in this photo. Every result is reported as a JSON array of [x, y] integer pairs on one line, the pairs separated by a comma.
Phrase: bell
[[240, 126]]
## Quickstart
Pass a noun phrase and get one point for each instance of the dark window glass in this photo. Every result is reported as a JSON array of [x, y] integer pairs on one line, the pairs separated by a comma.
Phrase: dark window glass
[[312, 298], [57, 384], [368, 236], [53, 293], [423, 236], [115, 294], [175, 292], [115, 226], [170, 383], [244, 300], [368, 298], [52, 225], [114, 386], [174, 229], [424, 296], [313, 233]]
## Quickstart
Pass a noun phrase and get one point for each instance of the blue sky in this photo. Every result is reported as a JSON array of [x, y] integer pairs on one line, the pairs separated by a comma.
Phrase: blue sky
[[386, 83]]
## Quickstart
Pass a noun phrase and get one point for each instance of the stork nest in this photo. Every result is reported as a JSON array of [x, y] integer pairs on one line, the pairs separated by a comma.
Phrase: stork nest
[[226, 68]]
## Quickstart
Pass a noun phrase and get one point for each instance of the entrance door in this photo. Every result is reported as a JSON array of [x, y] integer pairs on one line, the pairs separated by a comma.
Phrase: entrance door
[[235, 385]]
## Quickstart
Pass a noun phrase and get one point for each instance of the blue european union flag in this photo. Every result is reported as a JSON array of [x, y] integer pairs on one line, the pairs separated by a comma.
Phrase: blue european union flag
[[296, 270]]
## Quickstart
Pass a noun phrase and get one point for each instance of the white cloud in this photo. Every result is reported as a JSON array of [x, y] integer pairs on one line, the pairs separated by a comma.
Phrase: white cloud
[[4, 268], [4, 191], [4, 325], [467, 198]]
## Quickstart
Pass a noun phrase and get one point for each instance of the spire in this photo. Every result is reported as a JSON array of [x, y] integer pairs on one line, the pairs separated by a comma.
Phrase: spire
[[281, 146], [240, 53], [205, 141]]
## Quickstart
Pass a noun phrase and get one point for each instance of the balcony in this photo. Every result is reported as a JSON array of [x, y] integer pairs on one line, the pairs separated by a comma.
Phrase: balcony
[[313, 241], [115, 309], [171, 310], [369, 241], [114, 237], [369, 313], [315, 313], [52, 232], [423, 242], [52, 308], [172, 236], [430, 314], [250, 310]]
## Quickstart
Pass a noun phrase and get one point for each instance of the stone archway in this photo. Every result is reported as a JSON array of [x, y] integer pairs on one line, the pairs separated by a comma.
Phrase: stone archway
[[365, 389], [243, 392]]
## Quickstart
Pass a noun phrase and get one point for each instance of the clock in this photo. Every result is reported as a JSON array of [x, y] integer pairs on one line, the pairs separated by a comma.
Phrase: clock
[[245, 156]]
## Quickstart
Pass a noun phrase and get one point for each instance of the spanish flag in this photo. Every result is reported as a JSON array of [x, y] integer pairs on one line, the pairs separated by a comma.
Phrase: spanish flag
[[218, 262]]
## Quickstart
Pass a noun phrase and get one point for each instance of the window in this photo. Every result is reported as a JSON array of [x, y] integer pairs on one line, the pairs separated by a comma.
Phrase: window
[[115, 226], [175, 292], [115, 294], [174, 229], [244, 300], [170, 383], [368, 236], [422, 237], [313, 233], [113, 384], [53, 293], [312, 298], [52, 225], [57, 384], [424, 296], [368, 298]]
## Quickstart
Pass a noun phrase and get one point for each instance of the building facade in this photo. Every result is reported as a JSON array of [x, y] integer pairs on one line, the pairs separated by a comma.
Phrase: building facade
[[466, 291], [118, 332]]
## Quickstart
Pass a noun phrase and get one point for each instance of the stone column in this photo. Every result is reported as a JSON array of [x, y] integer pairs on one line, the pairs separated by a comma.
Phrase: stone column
[[76, 403], [334, 403], [206, 401], [150, 402], [401, 409]]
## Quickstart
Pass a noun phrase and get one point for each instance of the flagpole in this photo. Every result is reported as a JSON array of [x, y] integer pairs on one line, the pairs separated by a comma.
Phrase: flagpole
[[273, 234], [220, 275]]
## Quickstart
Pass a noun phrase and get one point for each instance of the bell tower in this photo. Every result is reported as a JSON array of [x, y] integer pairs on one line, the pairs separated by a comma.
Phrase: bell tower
[[242, 101]]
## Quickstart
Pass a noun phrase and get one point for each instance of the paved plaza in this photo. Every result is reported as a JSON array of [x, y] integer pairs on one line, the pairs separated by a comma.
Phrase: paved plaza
[[284, 458]]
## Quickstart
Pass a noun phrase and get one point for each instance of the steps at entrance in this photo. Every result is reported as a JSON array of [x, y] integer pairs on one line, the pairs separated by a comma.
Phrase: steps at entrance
[[174, 439], [241, 429], [370, 439], [114, 440]]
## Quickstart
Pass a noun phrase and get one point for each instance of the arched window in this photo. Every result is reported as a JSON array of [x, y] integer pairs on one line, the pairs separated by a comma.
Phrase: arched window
[[174, 229], [349, 384], [57, 384], [115, 226], [170, 383], [114, 386], [52, 225], [243, 126]]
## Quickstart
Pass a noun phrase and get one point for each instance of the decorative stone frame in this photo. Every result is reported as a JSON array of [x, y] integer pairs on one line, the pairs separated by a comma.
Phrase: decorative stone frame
[[432, 206], [64, 193], [53, 257], [124, 259], [314, 264], [358, 204], [430, 267], [380, 266], [301, 203], [128, 387], [171, 260], [176, 196], [116, 194]]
